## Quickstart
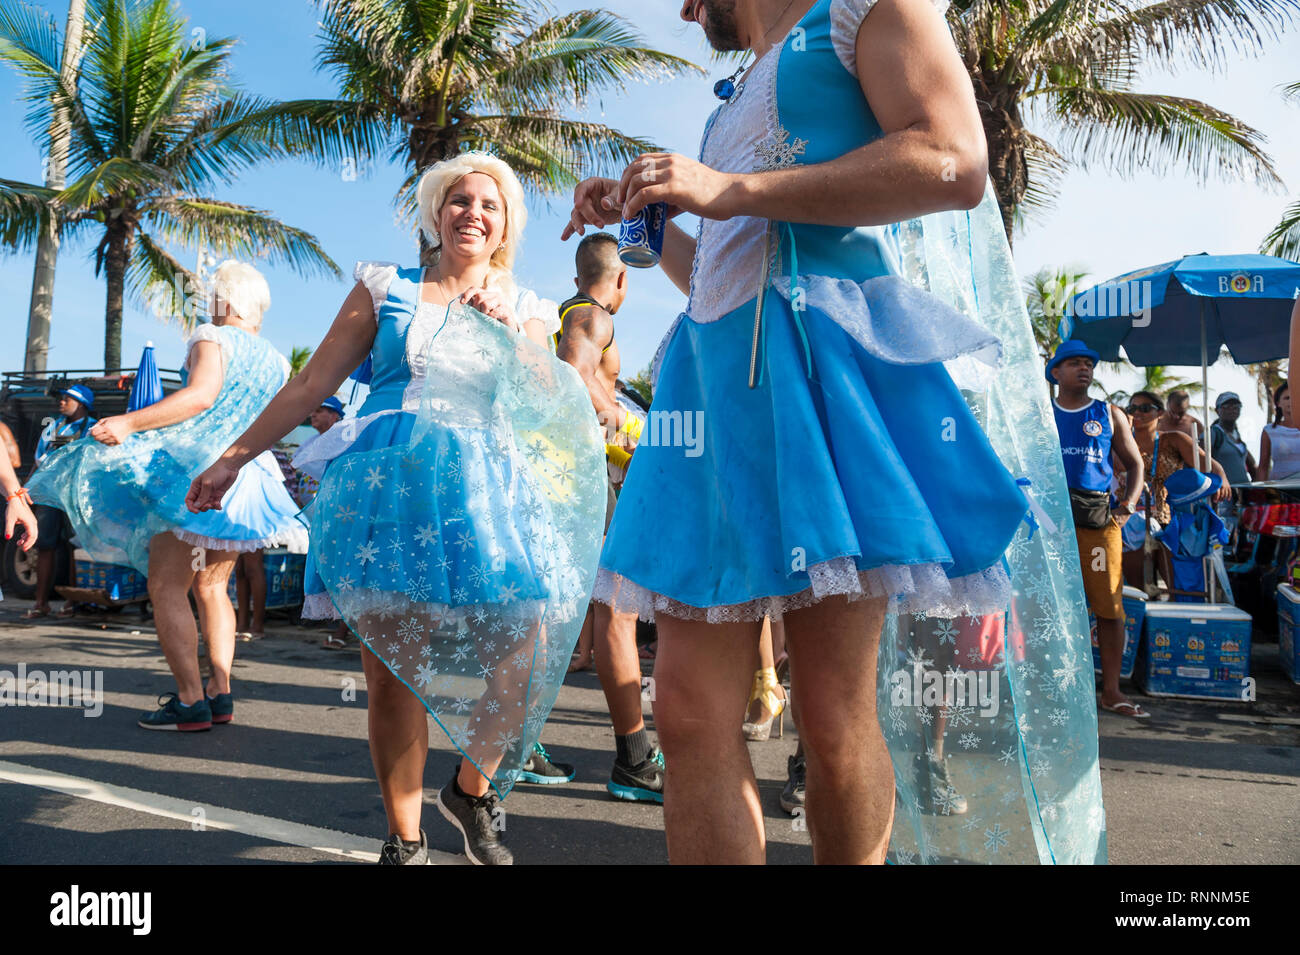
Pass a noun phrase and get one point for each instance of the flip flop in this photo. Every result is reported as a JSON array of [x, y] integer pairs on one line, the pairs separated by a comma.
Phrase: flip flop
[[331, 643], [1129, 709], [34, 614]]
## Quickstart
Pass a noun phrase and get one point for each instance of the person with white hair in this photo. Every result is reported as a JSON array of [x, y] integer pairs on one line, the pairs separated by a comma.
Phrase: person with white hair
[[126, 491], [458, 521]]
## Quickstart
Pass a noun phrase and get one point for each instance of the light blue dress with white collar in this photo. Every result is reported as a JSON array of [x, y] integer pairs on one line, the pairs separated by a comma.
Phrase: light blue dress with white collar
[[118, 497], [871, 419], [458, 522]]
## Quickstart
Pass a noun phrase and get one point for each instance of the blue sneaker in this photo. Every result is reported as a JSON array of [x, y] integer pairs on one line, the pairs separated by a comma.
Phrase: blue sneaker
[[222, 705], [641, 783], [540, 769], [172, 714]]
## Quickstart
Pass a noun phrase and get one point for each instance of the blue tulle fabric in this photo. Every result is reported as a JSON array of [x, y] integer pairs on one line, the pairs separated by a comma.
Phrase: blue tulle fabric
[[1028, 768], [121, 496], [460, 543]]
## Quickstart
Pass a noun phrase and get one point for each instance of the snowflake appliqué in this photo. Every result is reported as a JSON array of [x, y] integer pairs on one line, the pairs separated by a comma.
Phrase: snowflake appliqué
[[778, 151]]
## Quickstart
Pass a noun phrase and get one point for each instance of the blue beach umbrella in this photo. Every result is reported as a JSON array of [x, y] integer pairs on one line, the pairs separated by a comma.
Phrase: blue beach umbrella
[[147, 387], [1181, 312]]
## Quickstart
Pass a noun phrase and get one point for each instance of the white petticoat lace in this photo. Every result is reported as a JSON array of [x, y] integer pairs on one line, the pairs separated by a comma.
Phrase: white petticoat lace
[[911, 588], [294, 539]]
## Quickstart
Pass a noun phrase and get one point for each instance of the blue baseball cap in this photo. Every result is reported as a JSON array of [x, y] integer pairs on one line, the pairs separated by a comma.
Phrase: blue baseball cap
[[80, 393], [1069, 349], [333, 403]]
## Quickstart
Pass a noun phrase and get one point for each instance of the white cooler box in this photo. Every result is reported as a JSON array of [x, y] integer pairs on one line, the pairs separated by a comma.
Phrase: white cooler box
[[1196, 650]]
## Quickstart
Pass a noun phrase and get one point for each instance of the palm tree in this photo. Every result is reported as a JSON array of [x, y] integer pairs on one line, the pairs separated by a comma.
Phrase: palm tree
[[1156, 378], [424, 79], [1047, 296], [298, 358], [640, 383], [155, 123], [1284, 240], [1077, 62]]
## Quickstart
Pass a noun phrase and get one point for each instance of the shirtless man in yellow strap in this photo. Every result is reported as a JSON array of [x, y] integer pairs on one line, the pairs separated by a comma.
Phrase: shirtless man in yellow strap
[[586, 341]]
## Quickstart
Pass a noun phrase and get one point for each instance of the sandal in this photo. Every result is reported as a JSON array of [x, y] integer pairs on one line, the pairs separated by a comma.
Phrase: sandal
[[34, 614], [334, 643], [66, 612], [1127, 708]]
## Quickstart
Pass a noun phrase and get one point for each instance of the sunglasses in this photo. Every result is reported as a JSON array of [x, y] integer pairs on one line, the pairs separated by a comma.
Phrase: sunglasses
[[1142, 408]]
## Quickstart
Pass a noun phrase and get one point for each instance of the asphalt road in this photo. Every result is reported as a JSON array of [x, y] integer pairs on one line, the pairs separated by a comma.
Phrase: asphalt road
[[291, 781]]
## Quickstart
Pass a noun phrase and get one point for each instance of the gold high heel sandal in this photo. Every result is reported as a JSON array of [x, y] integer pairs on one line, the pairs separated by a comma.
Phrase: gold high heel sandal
[[764, 693]]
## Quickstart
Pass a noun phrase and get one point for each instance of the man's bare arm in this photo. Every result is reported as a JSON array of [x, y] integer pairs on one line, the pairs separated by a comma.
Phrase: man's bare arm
[[581, 346], [932, 155]]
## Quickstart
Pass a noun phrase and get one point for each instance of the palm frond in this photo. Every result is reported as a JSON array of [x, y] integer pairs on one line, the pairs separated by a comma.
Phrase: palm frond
[[159, 281], [568, 56], [550, 152], [239, 231], [112, 179], [1201, 33], [1284, 239], [1127, 131], [22, 206]]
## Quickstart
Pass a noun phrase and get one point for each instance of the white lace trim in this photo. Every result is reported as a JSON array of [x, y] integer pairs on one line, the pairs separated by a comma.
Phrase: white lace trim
[[293, 539], [729, 254], [911, 588], [376, 277], [314, 456], [319, 607], [846, 21]]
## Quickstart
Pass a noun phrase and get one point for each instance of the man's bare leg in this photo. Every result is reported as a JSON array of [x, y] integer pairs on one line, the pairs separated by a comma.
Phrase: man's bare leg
[[850, 783], [619, 668], [712, 812]]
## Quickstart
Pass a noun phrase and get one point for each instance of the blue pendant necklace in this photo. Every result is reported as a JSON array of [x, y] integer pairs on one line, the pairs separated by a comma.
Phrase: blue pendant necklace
[[725, 88]]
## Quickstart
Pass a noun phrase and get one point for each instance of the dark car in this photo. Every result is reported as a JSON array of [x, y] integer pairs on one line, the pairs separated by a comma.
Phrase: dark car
[[27, 403]]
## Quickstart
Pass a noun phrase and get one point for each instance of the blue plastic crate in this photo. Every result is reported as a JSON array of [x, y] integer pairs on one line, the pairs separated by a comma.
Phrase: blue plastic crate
[[1288, 619], [118, 581], [1135, 610], [1195, 650], [284, 574]]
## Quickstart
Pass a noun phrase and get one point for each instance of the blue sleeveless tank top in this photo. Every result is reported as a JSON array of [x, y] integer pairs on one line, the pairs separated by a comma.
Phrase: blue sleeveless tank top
[[1085, 443]]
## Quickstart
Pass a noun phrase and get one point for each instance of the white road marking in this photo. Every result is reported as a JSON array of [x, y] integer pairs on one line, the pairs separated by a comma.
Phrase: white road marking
[[345, 844]]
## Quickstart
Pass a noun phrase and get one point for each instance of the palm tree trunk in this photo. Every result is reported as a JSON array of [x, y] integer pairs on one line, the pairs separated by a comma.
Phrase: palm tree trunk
[[1007, 166], [115, 259], [47, 247]]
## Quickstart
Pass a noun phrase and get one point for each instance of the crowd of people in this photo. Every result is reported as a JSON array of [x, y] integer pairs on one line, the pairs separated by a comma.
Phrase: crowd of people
[[866, 499]]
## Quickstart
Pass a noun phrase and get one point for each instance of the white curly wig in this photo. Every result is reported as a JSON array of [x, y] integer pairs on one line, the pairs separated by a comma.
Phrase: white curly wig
[[437, 182], [243, 288]]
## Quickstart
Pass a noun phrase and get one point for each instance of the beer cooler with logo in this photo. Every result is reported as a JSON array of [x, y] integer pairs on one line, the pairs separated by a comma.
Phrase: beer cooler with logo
[[1288, 620], [1135, 611], [1195, 650]]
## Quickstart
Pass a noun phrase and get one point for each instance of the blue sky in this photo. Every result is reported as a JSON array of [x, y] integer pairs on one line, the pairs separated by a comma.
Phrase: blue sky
[[1103, 223]]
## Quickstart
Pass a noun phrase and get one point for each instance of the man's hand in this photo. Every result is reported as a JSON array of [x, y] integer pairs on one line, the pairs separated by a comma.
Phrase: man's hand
[[207, 490], [595, 204], [683, 183], [112, 431]]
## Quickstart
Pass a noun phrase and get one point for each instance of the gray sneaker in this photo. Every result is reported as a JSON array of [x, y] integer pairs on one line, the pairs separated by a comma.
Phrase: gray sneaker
[[397, 852], [792, 794], [480, 821]]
